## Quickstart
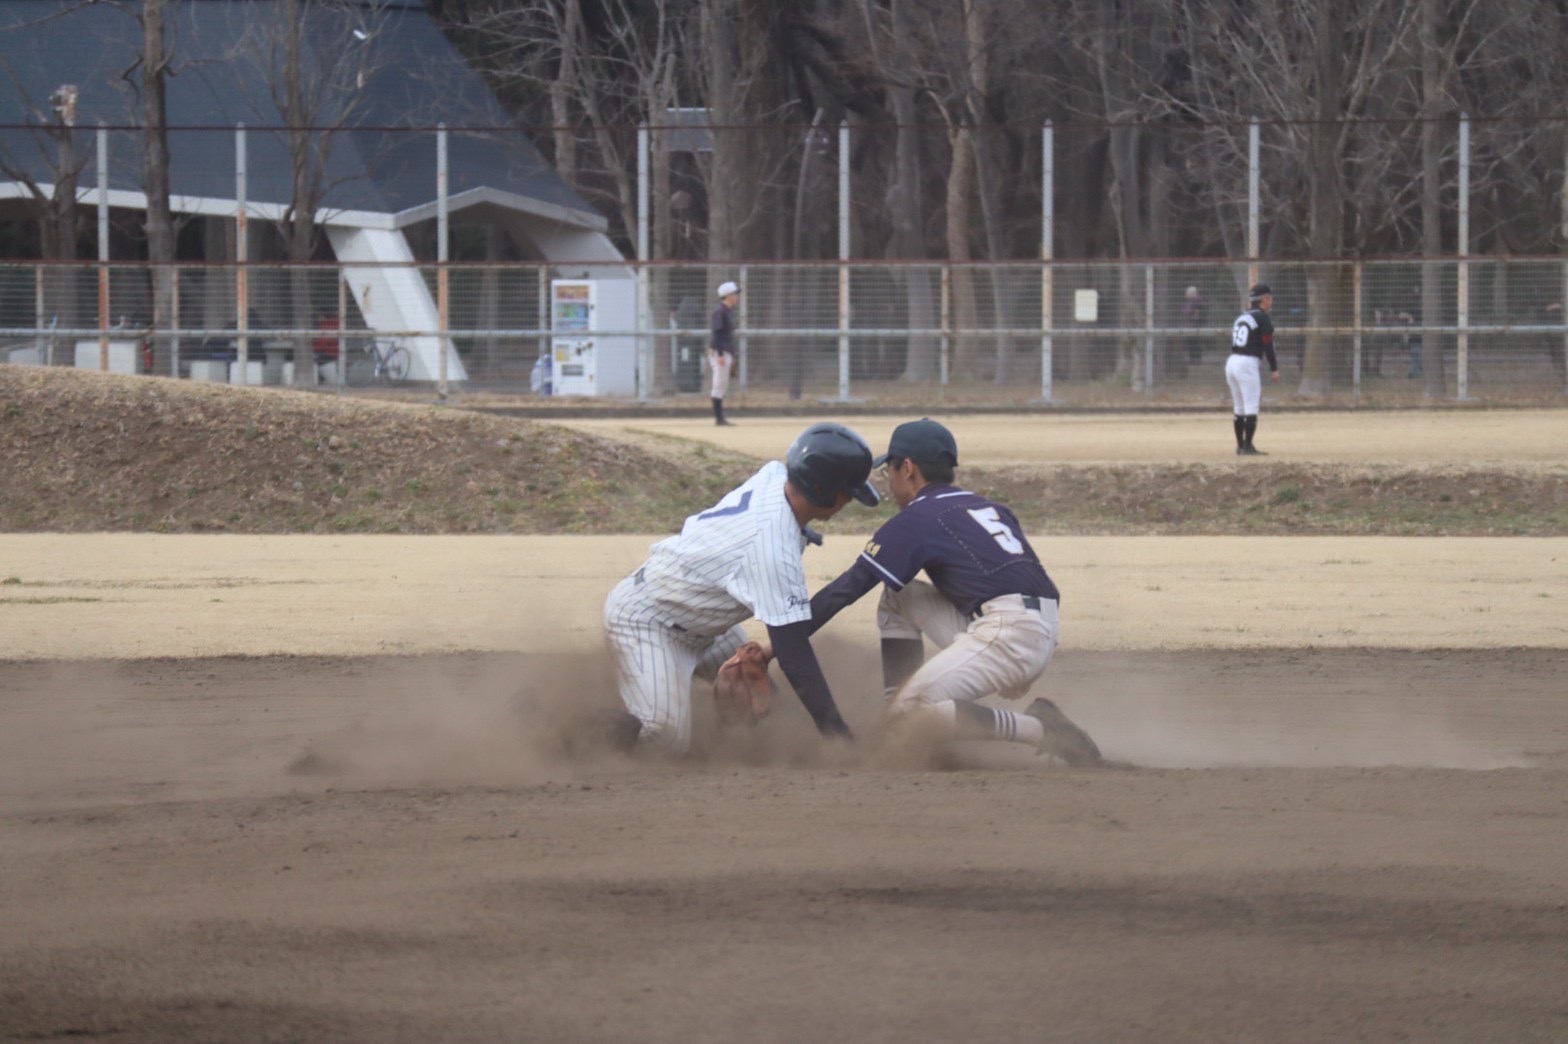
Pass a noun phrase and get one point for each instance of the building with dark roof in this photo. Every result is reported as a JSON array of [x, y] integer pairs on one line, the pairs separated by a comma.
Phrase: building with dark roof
[[379, 74]]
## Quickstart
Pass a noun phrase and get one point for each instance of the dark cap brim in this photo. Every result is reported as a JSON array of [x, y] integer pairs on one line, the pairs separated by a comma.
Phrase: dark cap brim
[[867, 494], [877, 462]]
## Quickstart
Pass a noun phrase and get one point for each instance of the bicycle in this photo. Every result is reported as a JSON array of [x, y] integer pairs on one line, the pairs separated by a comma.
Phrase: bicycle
[[387, 362]]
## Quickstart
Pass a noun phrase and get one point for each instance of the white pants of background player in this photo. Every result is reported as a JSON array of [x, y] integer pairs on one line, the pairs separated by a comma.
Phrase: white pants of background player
[[1003, 650], [1244, 374], [721, 363], [654, 664]]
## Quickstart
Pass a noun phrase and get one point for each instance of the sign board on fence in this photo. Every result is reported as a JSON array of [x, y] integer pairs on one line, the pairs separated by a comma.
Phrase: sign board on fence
[[1086, 305]]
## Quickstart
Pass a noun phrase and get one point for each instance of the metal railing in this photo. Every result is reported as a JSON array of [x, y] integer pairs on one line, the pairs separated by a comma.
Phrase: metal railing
[[1008, 334]]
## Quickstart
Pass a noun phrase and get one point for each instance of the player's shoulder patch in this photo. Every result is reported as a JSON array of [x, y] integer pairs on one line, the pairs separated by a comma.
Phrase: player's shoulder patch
[[872, 547]]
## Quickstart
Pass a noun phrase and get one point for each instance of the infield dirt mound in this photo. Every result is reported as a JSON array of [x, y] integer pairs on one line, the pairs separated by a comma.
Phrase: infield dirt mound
[[90, 452]]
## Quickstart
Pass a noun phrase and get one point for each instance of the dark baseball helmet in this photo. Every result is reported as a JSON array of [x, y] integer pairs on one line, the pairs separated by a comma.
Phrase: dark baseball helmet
[[829, 459]]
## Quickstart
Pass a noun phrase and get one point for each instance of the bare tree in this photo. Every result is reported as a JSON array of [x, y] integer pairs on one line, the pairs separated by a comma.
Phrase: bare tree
[[1303, 69], [55, 207], [151, 72], [1434, 101], [319, 91]]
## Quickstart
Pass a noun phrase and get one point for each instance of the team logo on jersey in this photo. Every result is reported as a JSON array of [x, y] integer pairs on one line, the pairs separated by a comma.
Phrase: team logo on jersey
[[872, 547], [798, 601]]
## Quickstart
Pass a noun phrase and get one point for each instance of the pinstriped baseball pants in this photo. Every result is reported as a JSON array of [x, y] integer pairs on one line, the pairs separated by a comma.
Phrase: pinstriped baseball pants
[[655, 663]]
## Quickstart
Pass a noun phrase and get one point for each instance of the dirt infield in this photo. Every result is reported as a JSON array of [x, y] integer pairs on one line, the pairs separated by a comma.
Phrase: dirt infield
[[309, 788]]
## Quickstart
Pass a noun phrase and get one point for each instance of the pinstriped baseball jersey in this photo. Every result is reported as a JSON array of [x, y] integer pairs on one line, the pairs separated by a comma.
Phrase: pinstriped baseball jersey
[[739, 559]]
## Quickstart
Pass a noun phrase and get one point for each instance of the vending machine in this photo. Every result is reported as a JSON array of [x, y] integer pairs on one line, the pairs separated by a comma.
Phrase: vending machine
[[592, 340]]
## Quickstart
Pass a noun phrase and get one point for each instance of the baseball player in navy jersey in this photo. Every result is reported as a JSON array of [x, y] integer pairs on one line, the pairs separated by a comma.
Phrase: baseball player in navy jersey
[[680, 613], [1251, 341], [989, 607]]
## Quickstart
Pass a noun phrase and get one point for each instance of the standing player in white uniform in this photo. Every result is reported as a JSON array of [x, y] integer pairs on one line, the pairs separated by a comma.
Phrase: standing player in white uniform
[[990, 607], [681, 612], [1251, 341]]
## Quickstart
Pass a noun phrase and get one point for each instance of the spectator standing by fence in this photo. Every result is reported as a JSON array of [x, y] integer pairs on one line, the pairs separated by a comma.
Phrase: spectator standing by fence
[[1194, 310], [1411, 317]]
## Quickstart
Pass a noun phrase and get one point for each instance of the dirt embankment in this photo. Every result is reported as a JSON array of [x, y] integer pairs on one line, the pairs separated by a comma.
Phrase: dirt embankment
[[90, 452]]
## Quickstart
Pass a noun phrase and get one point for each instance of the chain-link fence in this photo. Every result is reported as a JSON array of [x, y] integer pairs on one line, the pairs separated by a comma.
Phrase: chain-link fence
[[1001, 334]]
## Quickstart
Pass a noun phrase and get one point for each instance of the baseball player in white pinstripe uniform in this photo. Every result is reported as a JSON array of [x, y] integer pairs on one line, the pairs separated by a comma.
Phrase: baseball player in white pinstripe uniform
[[680, 613]]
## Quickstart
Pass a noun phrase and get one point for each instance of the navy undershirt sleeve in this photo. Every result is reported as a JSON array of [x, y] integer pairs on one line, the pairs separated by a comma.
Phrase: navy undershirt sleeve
[[843, 592], [1266, 338], [792, 647]]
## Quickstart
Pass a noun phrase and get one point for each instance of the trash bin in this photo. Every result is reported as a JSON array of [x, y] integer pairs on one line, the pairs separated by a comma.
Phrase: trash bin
[[688, 368]]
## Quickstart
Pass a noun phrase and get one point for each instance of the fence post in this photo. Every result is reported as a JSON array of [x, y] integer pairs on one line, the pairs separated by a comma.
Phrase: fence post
[[45, 350], [546, 345], [342, 367], [745, 321], [1252, 202], [843, 259], [946, 307], [241, 254], [1148, 329], [1355, 343], [174, 337], [1047, 251], [1462, 379], [103, 247], [645, 351], [443, 255]]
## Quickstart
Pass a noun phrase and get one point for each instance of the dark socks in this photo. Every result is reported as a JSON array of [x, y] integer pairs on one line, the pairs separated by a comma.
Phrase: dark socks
[[718, 412], [1251, 428], [1240, 426], [974, 721], [901, 658]]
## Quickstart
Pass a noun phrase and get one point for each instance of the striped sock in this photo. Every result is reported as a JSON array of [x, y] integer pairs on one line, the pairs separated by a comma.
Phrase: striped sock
[[977, 722]]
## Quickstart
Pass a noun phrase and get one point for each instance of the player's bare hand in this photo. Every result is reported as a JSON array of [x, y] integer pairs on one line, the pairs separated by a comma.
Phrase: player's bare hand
[[1274, 376]]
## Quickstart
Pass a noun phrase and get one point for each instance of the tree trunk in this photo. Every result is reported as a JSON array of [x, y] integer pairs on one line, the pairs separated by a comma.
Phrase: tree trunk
[[978, 41], [906, 206], [561, 91], [59, 241], [1325, 210], [960, 183], [300, 226], [727, 165]]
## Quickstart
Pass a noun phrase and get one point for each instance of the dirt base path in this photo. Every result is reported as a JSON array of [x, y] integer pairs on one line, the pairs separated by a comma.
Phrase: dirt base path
[[1318, 844], [1410, 438]]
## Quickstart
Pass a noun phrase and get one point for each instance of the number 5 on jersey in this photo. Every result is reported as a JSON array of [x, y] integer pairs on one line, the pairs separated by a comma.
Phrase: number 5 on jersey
[[999, 530]]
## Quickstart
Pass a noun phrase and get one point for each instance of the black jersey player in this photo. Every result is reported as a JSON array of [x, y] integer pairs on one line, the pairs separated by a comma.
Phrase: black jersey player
[[1251, 341]]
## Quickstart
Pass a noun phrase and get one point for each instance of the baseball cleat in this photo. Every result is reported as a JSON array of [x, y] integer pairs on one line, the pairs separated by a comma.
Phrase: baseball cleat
[[1063, 739]]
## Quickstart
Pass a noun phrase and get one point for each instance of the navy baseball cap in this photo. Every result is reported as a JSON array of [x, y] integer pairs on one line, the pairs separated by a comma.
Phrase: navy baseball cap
[[923, 440], [1260, 290]]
